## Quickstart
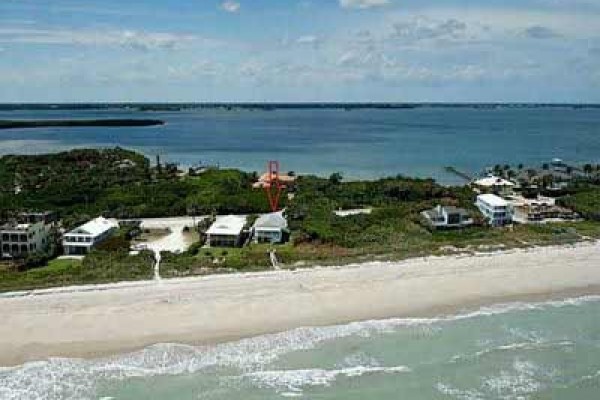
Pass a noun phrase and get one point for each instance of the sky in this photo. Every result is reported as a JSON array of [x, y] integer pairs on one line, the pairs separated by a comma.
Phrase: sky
[[300, 50]]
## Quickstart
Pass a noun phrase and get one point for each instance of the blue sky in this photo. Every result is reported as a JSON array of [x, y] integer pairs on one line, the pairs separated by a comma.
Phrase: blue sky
[[300, 50]]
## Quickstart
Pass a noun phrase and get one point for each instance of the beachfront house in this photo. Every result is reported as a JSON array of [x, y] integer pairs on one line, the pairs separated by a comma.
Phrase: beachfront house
[[494, 184], [265, 180], [19, 240], [447, 217], [495, 209], [539, 210], [82, 239], [227, 231], [270, 228]]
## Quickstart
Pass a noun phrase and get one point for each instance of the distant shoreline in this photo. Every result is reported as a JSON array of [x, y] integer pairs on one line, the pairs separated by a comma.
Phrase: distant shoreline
[[232, 106], [22, 124]]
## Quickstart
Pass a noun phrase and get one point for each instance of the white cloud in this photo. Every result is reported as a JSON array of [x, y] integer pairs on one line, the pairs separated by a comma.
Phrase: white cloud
[[424, 28], [230, 6], [362, 4], [115, 38], [308, 39]]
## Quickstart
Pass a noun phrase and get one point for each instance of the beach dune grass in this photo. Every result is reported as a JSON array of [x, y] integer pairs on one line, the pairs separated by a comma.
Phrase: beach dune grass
[[414, 242], [98, 267]]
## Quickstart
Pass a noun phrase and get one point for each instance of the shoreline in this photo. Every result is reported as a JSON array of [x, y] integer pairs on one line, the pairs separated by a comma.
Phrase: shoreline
[[72, 123], [97, 287], [119, 318]]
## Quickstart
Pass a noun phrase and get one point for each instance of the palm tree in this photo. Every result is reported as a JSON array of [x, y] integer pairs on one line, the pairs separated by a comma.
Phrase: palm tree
[[335, 178], [547, 181]]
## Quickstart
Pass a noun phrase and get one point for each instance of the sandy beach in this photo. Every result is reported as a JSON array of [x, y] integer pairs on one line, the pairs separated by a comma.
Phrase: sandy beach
[[120, 318]]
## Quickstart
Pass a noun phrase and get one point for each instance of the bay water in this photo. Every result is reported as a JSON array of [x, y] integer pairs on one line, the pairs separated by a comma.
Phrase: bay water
[[361, 143]]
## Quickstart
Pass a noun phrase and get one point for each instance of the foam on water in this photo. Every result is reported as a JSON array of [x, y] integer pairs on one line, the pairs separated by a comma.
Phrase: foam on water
[[294, 380], [522, 380], [537, 345], [60, 378], [455, 393]]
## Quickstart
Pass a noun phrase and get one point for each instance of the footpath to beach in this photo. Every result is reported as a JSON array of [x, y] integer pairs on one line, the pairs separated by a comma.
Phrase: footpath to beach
[[96, 321]]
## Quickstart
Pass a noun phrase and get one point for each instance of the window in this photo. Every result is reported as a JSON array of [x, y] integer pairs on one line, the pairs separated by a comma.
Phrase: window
[[23, 238]]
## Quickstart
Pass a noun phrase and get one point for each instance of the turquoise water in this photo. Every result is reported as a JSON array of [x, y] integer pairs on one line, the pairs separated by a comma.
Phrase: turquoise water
[[516, 351], [360, 143]]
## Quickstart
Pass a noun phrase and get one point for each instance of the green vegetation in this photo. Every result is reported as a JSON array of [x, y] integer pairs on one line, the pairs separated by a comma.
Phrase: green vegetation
[[586, 202], [10, 124], [413, 241], [397, 201], [393, 230], [81, 184], [97, 267]]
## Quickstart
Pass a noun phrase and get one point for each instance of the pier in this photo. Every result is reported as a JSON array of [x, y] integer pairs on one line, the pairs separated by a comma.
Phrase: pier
[[459, 173]]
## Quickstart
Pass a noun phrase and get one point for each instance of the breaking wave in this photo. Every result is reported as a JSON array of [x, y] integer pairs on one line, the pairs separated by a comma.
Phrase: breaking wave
[[294, 380], [61, 378]]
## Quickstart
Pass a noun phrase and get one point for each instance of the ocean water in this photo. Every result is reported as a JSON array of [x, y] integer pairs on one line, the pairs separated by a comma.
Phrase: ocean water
[[547, 350], [363, 143]]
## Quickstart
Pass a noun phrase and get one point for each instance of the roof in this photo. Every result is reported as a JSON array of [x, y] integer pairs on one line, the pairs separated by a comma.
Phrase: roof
[[284, 178], [16, 227], [437, 212], [452, 209], [490, 181], [274, 220], [265, 181], [95, 227], [493, 200], [230, 225]]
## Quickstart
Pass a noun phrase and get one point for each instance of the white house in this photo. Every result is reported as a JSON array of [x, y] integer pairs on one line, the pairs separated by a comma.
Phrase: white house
[[270, 228], [447, 217], [494, 184], [82, 239], [495, 209], [21, 240], [226, 231]]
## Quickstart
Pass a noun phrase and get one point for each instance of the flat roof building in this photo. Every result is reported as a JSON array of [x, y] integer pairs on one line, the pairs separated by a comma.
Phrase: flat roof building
[[495, 209], [227, 231], [21, 240], [539, 210], [446, 217]]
